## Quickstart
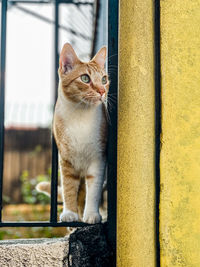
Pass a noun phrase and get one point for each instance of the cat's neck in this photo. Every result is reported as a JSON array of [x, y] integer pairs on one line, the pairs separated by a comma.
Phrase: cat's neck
[[68, 109]]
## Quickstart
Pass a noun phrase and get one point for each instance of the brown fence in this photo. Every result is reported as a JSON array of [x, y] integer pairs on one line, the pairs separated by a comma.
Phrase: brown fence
[[26, 150]]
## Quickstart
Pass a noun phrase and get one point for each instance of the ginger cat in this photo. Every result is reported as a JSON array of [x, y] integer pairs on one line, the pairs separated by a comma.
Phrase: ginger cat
[[80, 131]]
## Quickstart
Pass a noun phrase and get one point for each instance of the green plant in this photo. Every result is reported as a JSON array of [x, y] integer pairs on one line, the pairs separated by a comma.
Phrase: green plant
[[6, 199], [29, 193]]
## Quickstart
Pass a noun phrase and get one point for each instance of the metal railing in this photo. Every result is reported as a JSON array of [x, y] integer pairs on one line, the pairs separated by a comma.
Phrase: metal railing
[[112, 138]]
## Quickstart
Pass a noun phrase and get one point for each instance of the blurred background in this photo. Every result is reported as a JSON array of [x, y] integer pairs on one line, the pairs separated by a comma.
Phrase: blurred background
[[30, 89]]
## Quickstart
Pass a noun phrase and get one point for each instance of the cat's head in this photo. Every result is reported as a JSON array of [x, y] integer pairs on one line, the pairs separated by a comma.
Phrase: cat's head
[[83, 82]]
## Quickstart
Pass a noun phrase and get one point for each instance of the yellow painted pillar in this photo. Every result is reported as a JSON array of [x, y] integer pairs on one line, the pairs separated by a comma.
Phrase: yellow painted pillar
[[135, 184], [180, 153]]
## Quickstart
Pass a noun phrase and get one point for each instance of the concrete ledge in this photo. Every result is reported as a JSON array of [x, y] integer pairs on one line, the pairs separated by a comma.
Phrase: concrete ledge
[[85, 247], [46, 252]]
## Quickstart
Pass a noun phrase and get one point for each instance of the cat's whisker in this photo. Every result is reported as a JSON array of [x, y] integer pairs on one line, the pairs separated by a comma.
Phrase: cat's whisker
[[111, 99], [112, 56], [114, 97], [111, 105], [112, 73], [112, 66], [114, 100], [107, 114]]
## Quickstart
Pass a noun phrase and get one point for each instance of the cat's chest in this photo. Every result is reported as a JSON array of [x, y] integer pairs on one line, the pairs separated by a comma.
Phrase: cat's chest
[[82, 133]]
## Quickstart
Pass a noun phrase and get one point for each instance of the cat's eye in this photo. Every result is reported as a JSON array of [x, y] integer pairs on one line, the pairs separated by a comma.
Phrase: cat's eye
[[85, 78], [104, 80]]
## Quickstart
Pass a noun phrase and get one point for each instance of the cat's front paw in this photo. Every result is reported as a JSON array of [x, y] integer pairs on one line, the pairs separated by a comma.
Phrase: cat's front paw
[[92, 218], [68, 216]]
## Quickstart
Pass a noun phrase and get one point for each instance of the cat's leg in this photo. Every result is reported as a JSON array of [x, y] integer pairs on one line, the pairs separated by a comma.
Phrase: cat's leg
[[94, 184], [70, 185]]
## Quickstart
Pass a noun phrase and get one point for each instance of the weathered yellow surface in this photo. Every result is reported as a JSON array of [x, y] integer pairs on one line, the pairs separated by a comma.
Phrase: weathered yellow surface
[[180, 154], [135, 184]]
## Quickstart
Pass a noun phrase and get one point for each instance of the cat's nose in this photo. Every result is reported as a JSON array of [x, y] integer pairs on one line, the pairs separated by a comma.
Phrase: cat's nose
[[101, 91]]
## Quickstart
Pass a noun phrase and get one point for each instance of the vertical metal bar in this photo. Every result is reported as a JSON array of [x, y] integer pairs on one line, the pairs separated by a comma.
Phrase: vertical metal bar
[[2, 95], [96, 22], [54, 165], [112, 131], [157, 122]]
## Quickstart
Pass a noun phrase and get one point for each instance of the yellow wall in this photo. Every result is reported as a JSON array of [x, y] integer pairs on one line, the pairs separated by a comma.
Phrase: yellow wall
[[180, 154], [135, 184]]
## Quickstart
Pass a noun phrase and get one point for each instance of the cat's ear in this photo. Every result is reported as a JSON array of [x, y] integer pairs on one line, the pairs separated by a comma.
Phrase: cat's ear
[[68, 58], [100, 57]]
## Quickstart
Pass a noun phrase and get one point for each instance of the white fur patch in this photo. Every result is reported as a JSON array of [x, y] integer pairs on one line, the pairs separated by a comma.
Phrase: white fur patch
[[92, 218], [68, 216]]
